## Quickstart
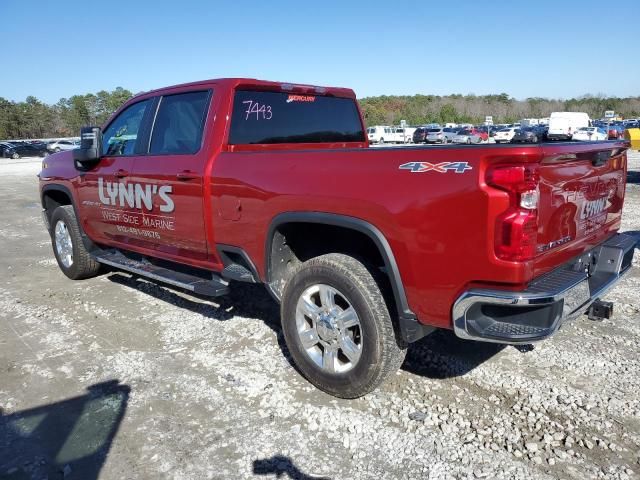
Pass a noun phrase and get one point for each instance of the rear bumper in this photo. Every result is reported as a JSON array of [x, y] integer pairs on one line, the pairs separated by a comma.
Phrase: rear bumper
[[549, 301]]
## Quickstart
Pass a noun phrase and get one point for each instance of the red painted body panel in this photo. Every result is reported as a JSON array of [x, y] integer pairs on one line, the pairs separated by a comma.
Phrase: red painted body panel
[[440, 225]]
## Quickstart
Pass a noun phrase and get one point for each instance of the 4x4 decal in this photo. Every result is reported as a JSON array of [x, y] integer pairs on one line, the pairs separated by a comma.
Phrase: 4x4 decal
[[442, 167]]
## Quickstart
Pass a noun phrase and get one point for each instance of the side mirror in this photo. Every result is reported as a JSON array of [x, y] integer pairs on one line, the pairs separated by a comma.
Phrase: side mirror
[[90, 149]]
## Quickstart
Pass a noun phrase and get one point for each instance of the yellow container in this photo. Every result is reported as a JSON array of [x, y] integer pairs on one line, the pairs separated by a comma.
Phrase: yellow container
[[633, 135]]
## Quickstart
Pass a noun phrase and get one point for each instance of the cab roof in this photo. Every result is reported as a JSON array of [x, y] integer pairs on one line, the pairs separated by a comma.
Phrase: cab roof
[[252, 83]]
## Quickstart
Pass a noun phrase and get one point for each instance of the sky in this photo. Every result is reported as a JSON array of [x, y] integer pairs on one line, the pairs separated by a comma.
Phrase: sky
[[537, 48]]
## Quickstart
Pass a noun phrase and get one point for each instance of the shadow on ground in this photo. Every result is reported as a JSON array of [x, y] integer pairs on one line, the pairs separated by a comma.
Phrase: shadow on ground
[[443, 355], [280, 466], [67, 440], [439, 355], [244, 300]]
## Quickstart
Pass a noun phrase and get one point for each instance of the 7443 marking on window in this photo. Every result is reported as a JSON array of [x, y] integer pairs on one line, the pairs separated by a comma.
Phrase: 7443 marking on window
[[442, 167]]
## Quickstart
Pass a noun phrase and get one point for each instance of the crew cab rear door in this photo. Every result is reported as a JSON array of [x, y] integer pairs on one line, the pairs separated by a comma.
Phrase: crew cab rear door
[[172, 176]]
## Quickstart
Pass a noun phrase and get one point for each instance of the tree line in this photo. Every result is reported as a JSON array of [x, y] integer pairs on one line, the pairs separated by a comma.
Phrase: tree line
[[423, 109], [35, 119]]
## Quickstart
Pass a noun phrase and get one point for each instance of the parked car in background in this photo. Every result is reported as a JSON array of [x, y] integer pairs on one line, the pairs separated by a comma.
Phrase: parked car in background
[[420, 135], [437, 135], [562, 125], [590, 134], [504, 135], [528, 135], [17, 150], [615, 132], [61, 145], [469, 135], [4, 146]]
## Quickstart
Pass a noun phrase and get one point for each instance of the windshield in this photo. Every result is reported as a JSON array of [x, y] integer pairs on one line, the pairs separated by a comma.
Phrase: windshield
[[433, 130]]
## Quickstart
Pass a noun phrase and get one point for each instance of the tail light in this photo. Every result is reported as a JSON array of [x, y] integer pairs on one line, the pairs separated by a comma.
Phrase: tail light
[[516, 232]]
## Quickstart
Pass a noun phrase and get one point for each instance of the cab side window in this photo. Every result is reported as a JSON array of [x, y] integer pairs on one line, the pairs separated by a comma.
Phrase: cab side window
[[121, 135], [179, 123]]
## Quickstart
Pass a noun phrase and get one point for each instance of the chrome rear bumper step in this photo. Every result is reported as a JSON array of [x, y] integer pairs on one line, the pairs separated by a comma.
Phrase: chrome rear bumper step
[[550, 300]]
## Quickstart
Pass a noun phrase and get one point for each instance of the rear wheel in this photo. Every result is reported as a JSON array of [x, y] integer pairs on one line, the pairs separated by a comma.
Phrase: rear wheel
[[73, 259], [381, 141], [337, 326]]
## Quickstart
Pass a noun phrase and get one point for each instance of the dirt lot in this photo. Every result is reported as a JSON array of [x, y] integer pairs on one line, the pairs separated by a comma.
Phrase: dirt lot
[[118, 378]]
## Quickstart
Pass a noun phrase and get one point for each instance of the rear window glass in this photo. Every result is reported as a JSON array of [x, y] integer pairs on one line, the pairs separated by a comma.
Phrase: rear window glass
[[179, 123], [277, 117], [433, 130]]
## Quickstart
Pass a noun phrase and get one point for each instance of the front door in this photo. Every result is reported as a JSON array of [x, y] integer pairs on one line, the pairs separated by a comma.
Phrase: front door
[[173, 171], [106, 196]]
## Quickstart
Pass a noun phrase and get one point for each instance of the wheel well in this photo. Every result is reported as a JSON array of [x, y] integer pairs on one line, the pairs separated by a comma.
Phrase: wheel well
[[297, 242], [52, 199]]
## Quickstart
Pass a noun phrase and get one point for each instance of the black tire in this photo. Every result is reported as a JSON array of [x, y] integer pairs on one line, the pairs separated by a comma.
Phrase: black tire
[[468, 140], [15, 155], [381, 352], [56, 150], [381, 141], [83, 265]]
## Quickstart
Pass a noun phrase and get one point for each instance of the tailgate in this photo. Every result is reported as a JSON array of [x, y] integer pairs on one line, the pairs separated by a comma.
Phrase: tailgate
[[581, 195]]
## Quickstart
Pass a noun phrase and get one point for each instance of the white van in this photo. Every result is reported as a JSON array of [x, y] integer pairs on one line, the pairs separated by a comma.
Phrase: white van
[[386, 134], [562, 125], [377, 133]]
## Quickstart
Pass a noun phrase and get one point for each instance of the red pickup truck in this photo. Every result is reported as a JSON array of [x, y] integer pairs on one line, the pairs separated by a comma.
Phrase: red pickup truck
[[204, 185]]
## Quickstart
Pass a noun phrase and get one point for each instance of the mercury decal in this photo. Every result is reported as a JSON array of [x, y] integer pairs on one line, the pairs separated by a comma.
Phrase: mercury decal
[[135, 195]]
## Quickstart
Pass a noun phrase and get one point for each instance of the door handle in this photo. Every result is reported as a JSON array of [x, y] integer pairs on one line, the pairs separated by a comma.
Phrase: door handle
[[122, 173], [187, 175]]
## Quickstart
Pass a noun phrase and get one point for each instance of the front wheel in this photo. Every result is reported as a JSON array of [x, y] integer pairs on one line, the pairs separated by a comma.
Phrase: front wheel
[[337, 326], [381, 141], [72, 257], [15, 155]]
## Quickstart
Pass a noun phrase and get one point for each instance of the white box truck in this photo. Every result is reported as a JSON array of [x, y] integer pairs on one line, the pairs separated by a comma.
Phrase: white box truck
[[562, 125]]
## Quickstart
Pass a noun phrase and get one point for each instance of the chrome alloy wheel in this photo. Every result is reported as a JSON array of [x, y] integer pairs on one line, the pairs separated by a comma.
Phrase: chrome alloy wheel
[[64, 246], [329, 328]]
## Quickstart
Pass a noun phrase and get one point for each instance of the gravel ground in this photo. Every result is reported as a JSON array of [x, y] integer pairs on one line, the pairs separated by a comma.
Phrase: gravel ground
[[118, 378]]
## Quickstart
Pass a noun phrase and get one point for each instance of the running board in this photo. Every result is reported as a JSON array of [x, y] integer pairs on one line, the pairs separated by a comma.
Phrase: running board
[[215, 287]]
